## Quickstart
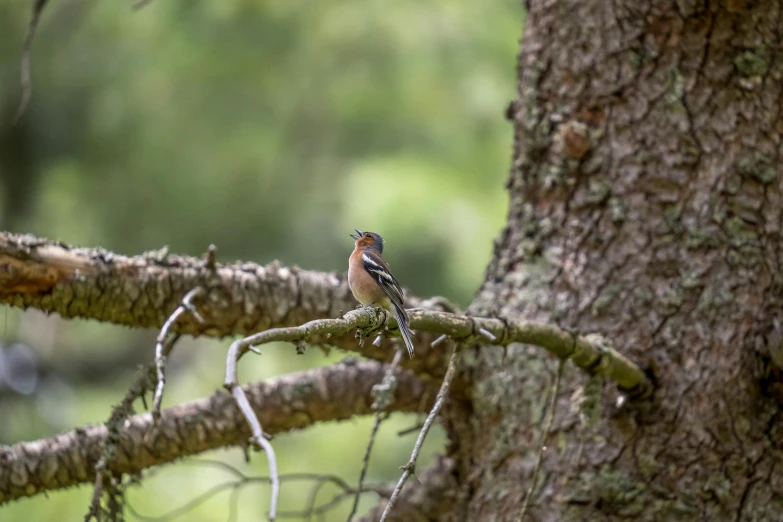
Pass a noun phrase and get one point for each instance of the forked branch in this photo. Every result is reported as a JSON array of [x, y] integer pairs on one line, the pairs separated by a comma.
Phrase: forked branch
[[160, 342], [591, 353]]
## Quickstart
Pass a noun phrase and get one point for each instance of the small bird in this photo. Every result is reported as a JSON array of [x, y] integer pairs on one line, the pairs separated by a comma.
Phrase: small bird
[[372, 282]]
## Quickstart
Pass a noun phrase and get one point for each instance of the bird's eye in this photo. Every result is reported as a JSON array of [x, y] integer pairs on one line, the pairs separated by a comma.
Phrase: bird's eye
[[367, 235]]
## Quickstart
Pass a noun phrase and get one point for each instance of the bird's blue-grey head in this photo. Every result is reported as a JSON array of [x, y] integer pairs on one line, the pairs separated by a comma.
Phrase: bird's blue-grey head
[[368, 240]]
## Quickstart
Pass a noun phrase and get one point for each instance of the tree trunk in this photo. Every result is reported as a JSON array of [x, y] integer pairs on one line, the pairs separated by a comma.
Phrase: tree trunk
[[646, 207]]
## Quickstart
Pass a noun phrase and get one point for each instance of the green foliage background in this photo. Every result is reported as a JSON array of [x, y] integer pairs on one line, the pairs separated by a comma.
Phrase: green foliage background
[[271, 129]]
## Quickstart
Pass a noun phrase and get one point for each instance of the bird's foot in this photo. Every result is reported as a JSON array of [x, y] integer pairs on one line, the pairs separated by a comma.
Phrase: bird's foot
[[378, 324]]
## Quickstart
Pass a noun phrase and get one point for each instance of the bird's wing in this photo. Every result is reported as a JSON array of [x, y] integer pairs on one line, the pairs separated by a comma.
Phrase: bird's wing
[[380, 271]]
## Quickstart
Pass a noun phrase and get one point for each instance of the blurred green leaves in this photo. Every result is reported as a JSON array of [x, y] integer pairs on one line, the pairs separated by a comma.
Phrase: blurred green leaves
[[271, 129]]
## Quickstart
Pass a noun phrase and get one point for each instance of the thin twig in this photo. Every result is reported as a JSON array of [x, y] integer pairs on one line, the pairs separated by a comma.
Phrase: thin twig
[[575, 464], [270, 457], [310, 509], [298, 335], [406, 431], [365, 463], [232, 503], [27, 49], [192, 504], [411, 465], [323, 508], [141, 3], [258, 438], [439, 340], [242, 480], [383, 395], [160, 357], [550, 417], [115, 501], [120, 412], [95, 510]]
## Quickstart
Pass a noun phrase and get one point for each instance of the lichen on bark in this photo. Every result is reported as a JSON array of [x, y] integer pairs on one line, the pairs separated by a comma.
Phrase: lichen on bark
[[662, 231]]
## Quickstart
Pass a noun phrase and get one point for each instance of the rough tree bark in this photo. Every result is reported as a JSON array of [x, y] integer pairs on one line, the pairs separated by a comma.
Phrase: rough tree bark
[[288, 403], [645, 205]]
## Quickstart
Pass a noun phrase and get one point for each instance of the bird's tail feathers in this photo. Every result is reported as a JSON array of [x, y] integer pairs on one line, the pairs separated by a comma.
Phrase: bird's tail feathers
[[405, 331]]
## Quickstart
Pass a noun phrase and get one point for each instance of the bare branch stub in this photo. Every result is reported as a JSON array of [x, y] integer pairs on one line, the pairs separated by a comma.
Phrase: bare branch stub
[[439, 340], [486, 333], [211, 258]]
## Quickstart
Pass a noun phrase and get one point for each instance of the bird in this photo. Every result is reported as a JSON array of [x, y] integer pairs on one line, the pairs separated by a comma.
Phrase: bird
[[372, 282]]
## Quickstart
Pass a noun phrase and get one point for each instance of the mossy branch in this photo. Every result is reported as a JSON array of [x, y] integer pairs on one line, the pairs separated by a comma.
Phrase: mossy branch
[[286, 403], [591, 353]]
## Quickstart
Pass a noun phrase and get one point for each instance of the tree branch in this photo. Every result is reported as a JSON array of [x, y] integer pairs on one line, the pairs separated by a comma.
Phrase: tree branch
[[160, 346], [436, 492], [382, 392], [592, 353], [545, 431], [27, 50], [410, 467], [143, 291], [248, 298], [291, 402]]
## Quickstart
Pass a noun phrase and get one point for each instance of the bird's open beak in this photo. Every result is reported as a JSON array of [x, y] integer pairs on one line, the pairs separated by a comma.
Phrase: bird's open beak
[[358, 234]]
